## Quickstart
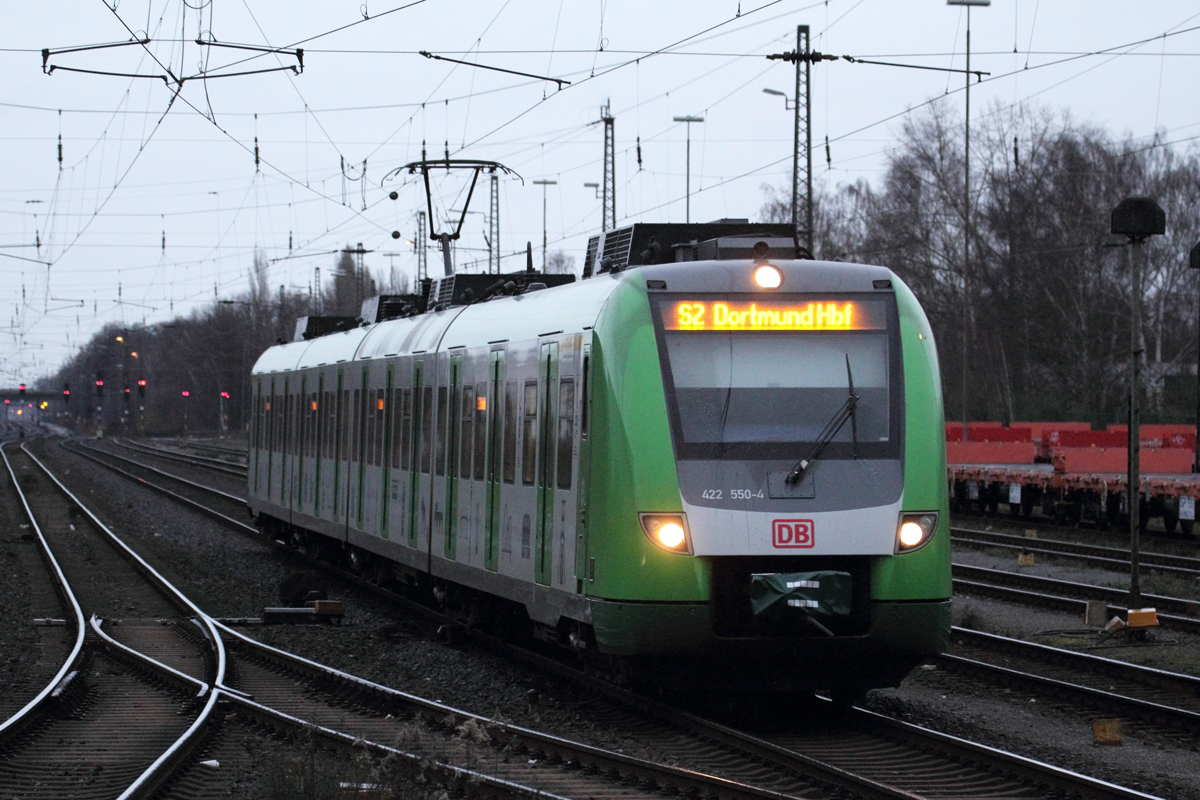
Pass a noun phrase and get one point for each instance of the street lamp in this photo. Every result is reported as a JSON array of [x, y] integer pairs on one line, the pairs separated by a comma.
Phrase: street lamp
[[788, 103], [544, 183], [966, 318], [688, 184], [1137, 218]]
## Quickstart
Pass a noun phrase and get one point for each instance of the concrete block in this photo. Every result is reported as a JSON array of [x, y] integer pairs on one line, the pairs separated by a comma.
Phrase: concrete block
[[1096, 614], [1025, 559]]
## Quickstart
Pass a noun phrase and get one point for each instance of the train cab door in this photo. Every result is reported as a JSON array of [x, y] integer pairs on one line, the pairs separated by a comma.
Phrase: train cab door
[[582, 574], [458, 452], [418, 457], [494, 420], [547, 447]]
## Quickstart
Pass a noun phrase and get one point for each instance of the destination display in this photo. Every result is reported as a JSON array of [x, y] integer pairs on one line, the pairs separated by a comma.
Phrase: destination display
[[793, 315]]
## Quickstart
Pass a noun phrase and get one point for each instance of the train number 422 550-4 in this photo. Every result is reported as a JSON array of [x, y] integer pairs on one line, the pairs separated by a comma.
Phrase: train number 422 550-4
[[734, 494]]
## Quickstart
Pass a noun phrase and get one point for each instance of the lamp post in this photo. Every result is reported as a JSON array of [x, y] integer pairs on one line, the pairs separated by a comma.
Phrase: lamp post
[[1194, 263], [966, 315], [544, 183], [1136, 218], [688, 178]]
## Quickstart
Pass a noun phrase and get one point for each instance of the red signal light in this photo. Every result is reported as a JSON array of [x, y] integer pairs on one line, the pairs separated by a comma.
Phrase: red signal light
[[142, 382], [185, 394], [225, 395], [99, 383]]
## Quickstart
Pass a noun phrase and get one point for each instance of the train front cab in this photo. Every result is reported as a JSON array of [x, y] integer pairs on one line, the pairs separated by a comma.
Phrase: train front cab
[[655, 605]]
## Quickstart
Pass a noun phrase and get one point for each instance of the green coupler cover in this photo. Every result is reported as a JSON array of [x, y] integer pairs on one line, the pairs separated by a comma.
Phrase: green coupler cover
[[823, 595]]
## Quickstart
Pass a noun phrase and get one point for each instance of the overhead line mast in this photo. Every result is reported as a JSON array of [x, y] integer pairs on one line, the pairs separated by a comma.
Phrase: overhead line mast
[[608, 217]]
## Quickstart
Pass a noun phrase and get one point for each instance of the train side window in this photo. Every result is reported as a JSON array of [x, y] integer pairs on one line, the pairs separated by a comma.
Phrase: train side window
[[465, 438], [376, 411], [397, 425], [406, 429], [583, 399], [510, 432], [481, 412], [529, 435], [356, 428], [426, 427], [286, 427], [344, 417], [381, 409], [330, 427], [442, 407], [566, 431]]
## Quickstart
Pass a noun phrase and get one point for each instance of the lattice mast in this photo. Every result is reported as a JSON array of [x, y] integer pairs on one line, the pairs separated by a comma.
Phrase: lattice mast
[[494, 227], [608, 219], [802, 193]]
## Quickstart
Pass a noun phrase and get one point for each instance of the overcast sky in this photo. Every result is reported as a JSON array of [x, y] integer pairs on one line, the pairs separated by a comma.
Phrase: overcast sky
[[83, 245]]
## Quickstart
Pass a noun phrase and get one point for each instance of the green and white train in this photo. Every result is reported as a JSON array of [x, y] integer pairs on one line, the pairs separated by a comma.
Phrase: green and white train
[[706, 463]]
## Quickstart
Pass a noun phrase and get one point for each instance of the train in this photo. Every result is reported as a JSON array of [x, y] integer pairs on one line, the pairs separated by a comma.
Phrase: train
[[706, 463]]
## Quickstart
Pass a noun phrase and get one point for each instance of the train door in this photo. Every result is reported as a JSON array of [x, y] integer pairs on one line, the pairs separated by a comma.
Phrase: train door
[[271, 405], [493, 420], [583, 574], [318, 409], [385, 447], [458, 447], [420, 450], [359, 447], [284, 434], [335, 446], [548, 411], [298, 450]]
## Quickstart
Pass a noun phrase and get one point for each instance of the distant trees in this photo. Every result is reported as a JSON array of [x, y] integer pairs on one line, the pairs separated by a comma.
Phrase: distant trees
[[205, 354], [1049, 293]]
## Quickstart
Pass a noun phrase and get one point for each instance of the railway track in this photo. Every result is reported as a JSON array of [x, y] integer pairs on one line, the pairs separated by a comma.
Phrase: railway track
[[1173, 612], [1114, 557], [1159, 700], [213, 464], [860, 758], [105, 727]]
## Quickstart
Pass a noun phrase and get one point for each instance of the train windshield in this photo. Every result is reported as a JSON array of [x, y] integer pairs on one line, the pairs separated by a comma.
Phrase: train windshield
[[755, 394]]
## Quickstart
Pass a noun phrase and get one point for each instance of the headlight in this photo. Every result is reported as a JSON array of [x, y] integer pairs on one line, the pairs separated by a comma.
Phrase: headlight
[[768, 276], [915, 531], [668, 531]]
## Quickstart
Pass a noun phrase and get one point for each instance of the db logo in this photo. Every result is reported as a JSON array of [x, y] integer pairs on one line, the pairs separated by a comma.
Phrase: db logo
[[793, 533]]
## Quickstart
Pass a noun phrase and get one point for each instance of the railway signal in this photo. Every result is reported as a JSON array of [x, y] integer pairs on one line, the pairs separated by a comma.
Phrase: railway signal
[[100, 384], [1136, 218], [66, 393], [21, 389], [142, 388]]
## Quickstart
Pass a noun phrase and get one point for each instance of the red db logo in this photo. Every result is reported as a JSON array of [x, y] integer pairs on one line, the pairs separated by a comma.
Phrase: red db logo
[[793, 533]]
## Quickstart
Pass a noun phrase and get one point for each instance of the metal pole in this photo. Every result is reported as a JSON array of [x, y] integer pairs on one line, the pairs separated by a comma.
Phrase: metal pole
[[687, 185], [1133, 492], [545, 241], [966, 319], [688, 173]]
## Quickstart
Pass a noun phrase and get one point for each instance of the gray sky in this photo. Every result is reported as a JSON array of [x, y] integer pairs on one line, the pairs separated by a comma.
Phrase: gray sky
[[135, 174]]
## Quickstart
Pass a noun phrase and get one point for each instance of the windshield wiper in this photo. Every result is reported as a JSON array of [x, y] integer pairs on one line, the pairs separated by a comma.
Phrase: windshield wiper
[[848, 411]]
